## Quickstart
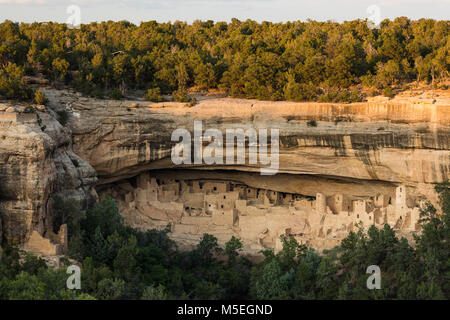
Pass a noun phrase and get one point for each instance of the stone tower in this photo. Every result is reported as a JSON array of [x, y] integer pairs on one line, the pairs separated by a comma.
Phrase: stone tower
[[321, 203], [400, 197]]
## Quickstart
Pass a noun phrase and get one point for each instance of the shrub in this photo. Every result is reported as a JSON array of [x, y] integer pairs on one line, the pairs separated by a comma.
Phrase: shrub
[[40, 97], [312, 123], [388, 92], [301, 91], [154, 94], [11, 83], [193, 102], [343, 96], [180, 95], [116, 94], [368, 80], [39, 121], [63, 117], [373, 92]]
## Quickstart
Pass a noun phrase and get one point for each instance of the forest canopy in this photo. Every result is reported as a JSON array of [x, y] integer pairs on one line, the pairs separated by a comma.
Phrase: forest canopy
[[299, 61]]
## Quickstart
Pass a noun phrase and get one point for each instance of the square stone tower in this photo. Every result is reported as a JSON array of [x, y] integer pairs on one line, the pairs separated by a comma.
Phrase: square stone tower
[[400, 198], [321, 203]]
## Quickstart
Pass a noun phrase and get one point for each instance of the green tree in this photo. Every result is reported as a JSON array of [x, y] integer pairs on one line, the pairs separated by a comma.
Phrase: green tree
[[60, 68], [11, 82], [26, 287], [232, 248], [154, 293]]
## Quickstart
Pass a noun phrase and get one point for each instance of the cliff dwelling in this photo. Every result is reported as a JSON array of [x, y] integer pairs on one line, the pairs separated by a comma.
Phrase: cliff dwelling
[[194, 202], [378, 167]]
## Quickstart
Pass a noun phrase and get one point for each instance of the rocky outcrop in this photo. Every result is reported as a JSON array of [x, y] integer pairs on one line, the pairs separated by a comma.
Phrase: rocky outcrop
[[397, 141], [361, 150], [37, 163], [358, 150]]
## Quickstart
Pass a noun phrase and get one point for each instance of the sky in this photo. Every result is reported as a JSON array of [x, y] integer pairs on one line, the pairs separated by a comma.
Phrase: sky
[[219, 10]]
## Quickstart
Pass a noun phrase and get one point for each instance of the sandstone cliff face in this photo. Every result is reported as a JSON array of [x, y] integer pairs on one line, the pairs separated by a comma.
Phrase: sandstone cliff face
[[359, 150], [36, 165], [397, 141]]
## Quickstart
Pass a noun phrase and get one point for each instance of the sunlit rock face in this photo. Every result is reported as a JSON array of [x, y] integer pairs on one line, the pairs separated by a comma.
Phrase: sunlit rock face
[[362, 151], [36, 164], [359, 151], [398, 141]]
